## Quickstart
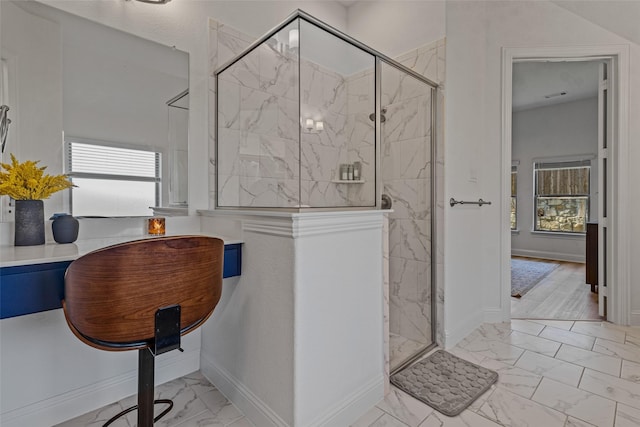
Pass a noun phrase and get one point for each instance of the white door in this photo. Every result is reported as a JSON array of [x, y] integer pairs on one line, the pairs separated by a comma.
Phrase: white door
[[605, 182]]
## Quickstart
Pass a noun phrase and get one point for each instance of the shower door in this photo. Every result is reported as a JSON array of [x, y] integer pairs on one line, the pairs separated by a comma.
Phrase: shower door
[[407, 178]]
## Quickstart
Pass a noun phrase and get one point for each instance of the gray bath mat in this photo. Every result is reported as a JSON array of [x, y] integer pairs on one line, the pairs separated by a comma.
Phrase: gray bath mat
[[445, 382]]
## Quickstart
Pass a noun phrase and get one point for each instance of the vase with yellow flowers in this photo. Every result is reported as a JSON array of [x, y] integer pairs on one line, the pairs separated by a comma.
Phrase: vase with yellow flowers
[[28, 185]]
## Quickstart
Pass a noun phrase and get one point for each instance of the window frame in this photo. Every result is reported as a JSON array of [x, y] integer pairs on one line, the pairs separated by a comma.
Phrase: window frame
[[157, 179], [570, 163]]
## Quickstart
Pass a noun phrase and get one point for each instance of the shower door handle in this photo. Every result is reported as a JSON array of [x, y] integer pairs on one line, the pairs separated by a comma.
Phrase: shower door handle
[[386, 202]]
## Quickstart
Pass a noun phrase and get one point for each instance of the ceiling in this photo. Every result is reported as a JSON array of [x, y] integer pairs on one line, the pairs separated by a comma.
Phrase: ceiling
[[532, 81]]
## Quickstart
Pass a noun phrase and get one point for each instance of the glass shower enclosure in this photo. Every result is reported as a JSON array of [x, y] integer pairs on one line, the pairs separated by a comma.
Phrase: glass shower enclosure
[[294, 126], [308, 118]]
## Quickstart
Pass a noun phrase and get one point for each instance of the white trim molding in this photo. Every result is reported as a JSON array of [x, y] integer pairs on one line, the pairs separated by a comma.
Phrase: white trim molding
[[619, 308]]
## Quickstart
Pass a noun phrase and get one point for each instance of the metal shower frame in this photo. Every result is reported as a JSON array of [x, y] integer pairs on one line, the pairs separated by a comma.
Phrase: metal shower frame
[[379, 58]]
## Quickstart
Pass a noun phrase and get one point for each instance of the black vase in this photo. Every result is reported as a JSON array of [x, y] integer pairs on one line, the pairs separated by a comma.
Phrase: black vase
[[65, 228], [29, 223]]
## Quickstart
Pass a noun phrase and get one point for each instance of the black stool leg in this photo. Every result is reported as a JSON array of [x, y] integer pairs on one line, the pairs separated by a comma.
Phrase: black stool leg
[[146, 368]]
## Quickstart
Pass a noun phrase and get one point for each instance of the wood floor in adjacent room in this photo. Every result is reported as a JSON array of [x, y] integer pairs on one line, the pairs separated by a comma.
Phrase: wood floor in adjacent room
[[562, 295]]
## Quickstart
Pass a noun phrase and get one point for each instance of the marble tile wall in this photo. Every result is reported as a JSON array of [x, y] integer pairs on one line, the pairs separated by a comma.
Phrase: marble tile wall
[[261, 163], [406, 178], [430, 61], [266, 82]]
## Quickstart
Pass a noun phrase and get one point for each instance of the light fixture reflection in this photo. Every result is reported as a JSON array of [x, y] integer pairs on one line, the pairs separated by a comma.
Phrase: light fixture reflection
[[294, 38]]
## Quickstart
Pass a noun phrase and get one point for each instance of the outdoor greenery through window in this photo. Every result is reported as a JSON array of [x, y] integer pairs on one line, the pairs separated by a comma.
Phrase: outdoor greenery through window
[[562, 196], [112, 181], [514, 201]]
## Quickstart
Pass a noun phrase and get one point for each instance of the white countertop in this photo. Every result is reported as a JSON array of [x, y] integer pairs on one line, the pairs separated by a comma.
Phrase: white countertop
[[11, 256]]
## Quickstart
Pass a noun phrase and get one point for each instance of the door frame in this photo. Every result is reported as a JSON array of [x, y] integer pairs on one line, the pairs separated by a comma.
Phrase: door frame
[[619, 289]]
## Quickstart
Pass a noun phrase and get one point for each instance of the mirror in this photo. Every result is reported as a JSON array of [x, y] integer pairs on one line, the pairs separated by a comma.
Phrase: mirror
[[68, 80]]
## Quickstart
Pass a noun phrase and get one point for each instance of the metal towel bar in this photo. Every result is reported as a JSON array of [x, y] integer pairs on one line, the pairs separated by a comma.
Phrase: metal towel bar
[[480, 202]]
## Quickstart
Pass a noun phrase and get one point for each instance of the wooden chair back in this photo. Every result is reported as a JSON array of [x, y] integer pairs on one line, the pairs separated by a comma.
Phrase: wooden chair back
[[112, 294]]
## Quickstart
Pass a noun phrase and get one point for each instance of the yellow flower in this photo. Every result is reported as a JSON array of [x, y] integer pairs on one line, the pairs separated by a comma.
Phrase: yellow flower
[[27, 181]]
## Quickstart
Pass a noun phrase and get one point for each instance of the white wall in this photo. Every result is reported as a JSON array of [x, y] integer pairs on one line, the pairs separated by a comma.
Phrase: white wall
[[184, 24], [30, 45], [561, 130], [476, 32], [394, 27]]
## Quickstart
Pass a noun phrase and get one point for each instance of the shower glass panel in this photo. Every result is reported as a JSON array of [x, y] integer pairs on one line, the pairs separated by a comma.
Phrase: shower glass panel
[[337, 96], [407, 178], [291, 111]]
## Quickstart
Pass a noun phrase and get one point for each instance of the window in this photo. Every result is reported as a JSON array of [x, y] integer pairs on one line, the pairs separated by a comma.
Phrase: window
[[514, 201], [561, 199], [112, 181]]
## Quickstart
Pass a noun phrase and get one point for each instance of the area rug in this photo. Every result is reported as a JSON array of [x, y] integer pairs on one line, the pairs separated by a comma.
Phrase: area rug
[[526, 274], [445, 382]]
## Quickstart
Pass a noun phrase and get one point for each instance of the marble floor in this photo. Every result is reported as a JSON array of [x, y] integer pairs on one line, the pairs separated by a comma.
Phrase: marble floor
[[551, 373]]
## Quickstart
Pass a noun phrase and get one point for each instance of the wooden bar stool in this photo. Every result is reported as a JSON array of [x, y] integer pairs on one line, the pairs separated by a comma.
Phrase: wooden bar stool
[[144, 295]]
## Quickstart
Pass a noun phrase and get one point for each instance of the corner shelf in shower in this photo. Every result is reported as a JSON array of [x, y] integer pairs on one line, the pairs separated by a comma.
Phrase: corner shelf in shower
[[340, 181]]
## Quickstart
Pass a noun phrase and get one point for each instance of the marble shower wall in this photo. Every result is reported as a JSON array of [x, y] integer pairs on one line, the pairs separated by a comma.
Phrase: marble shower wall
[[258, 128], [261, 163], [224, 44], [406, 178], [406, 169]]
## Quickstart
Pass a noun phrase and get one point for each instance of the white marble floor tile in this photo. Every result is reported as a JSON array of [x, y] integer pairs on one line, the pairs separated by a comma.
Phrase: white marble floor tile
[[567, 337], [574, 422], [526, 326], [388, 421], [477, 404], [242, 422], [577, 403], [597, 330], [94, 418], [623, 351], [560, 324], [516, 380], [209, 419], [511, 410], [469, 356], [633, 340], [549, 367], [465, 419], [630, 371], [495, 331], [492, 349], [626, 416], [590, 359], [220, 407], [369, 417], [404, 407], [529, 342], [610, 387]]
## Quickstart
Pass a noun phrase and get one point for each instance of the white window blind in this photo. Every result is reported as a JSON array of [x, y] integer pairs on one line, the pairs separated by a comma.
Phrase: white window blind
[[105, 161], [112, 180]]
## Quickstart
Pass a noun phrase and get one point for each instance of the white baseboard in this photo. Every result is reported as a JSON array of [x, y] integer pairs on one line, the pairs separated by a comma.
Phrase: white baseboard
[[350, 409], [345, 413], [248, 403], [556, 256], [635, 318], [494, 315], [463, 328], [69, 405]]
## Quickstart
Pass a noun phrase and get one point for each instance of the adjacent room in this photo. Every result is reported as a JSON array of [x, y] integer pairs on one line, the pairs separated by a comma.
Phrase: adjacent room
[[554, 207]]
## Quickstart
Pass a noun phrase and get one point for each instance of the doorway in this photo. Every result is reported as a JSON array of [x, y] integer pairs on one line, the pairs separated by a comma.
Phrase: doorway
[[554, 187], [613, 260]]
